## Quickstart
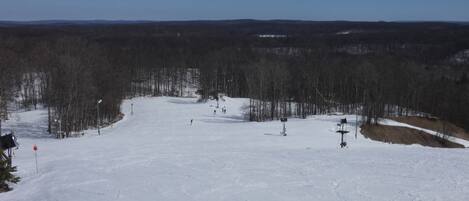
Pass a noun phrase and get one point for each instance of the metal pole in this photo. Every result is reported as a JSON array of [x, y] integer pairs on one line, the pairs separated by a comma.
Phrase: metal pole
[[35, 156], [97, 121], [284, 130], [132, 109]]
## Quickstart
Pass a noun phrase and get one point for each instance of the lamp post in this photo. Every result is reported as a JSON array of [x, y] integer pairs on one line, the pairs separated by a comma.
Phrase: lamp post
[[97, 120], [59, 135]]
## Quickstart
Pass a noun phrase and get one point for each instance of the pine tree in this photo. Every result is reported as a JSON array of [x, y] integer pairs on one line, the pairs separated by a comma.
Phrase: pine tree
[[6, 173]]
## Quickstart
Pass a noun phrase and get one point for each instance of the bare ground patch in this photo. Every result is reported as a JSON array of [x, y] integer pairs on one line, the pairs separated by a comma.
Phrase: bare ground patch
[[407, 136], [434, 125]]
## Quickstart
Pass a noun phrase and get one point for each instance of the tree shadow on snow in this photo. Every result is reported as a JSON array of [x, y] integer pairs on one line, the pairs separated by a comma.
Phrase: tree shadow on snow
[[223, 119], [28, 130]]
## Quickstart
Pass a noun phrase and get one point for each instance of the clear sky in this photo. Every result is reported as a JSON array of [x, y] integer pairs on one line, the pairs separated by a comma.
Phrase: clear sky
[[357, 10]]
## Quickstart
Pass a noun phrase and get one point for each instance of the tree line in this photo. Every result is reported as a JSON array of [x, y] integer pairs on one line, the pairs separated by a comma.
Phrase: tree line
[[377, 70]]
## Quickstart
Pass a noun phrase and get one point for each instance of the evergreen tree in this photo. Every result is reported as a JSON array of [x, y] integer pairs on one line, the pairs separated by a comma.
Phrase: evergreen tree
[[6, 174]]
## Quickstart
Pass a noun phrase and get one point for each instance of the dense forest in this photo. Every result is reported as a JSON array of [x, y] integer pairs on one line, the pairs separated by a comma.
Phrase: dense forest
[[286, 68]]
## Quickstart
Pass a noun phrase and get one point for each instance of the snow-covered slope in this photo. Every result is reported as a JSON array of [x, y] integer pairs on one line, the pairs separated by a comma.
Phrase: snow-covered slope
[[156, 154]]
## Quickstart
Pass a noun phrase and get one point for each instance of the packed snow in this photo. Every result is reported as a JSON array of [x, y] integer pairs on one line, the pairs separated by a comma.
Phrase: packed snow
[[156, 154]]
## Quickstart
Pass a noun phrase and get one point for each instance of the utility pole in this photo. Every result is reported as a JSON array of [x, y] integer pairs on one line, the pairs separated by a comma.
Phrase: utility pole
[[97, 120]]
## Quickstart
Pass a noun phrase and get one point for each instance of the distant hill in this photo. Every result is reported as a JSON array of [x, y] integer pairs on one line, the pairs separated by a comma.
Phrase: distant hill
[[213, 22], [69, 22]]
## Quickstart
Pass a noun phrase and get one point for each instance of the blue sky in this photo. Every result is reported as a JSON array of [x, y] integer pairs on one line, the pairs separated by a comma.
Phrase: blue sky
[[357, 10]]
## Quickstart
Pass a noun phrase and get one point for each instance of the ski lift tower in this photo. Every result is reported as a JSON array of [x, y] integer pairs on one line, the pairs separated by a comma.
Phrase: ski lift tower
[[342, 130], [284, 131]]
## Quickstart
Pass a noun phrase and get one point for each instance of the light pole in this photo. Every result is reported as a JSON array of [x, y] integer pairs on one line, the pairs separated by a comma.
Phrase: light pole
[[97, 120], [60, 128]]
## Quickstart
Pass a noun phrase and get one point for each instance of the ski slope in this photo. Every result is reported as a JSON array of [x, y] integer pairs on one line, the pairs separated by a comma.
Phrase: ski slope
[[156, 154]]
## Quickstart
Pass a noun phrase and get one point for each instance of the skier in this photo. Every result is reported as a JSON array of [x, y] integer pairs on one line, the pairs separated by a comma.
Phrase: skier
[[214, 112], [192, 120]]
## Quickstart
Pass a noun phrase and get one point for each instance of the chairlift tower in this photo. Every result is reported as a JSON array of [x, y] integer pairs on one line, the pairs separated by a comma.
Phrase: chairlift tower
[[342, 130]]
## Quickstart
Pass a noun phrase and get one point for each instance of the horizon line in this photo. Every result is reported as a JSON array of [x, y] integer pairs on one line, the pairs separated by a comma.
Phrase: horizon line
[[227, 19]]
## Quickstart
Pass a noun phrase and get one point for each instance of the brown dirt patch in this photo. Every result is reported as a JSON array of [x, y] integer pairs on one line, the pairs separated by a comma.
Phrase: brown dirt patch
[[407, 136], [434, 125]]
